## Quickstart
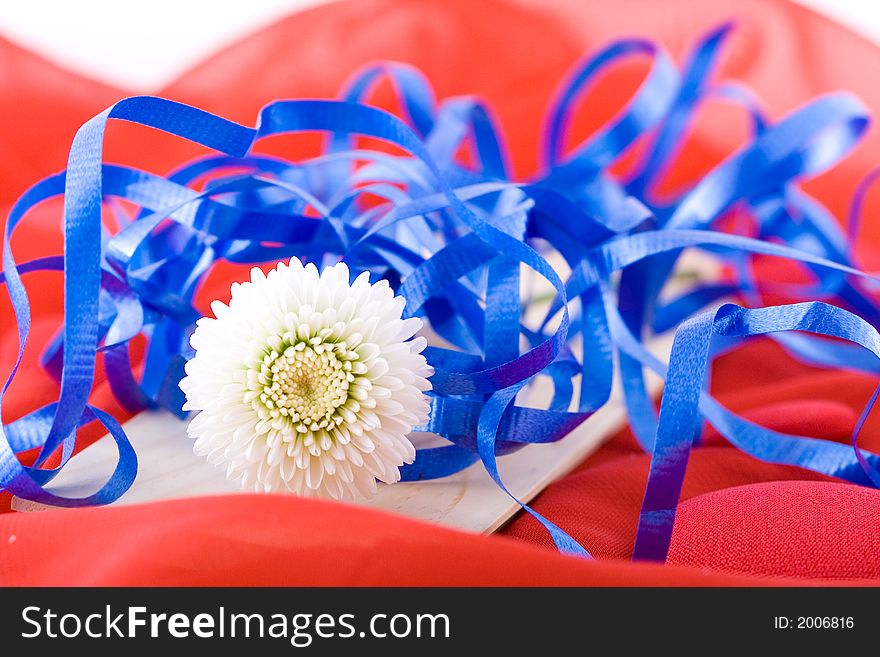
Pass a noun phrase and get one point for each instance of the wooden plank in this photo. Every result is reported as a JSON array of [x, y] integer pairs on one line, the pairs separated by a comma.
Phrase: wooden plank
[[468, 500]]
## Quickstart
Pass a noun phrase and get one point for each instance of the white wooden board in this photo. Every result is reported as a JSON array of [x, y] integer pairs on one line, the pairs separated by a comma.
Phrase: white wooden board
[[468, 500]]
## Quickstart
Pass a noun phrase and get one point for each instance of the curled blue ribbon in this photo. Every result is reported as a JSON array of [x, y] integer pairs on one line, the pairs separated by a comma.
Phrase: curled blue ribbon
[[462, 244]]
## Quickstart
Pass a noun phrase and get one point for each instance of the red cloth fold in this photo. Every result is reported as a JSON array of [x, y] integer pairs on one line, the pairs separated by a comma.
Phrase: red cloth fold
[[740, 521]]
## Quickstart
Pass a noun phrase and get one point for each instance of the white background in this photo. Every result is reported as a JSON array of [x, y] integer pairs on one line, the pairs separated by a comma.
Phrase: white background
[[143, 45]]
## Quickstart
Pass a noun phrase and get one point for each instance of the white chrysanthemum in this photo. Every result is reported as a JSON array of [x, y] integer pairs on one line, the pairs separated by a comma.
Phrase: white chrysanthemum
[[308, 384]]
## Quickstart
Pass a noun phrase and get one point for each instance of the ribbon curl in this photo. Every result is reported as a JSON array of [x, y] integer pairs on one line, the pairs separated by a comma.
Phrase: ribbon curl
[[475, 254]]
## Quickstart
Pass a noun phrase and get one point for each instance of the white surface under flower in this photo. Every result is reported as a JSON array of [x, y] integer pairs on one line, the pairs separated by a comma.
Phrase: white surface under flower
[[308, 384]]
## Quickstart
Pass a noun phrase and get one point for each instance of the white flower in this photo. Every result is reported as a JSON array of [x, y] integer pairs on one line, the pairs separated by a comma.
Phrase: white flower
[[308, 384]]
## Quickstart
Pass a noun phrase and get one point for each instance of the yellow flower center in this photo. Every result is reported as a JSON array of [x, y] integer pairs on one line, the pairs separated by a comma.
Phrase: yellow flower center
[[306, 382]]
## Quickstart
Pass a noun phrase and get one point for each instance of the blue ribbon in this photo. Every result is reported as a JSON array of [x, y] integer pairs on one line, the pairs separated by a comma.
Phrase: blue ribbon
[[469, 249]]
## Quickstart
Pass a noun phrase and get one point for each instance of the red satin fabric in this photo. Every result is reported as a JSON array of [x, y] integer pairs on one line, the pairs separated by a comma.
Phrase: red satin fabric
[[740, 521]]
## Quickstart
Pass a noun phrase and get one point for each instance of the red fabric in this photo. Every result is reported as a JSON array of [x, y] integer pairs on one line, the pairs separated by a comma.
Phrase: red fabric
[[806, 528], [740, 521]]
